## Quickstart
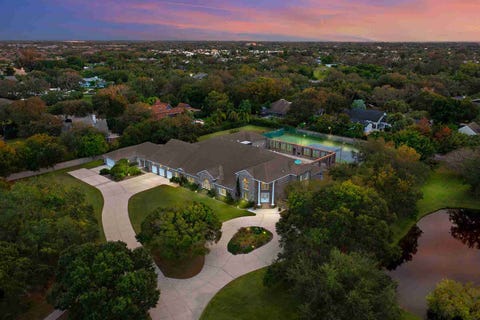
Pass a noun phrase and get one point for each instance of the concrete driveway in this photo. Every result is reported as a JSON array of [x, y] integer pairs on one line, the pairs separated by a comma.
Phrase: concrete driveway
[[115, 220], [182, 298]]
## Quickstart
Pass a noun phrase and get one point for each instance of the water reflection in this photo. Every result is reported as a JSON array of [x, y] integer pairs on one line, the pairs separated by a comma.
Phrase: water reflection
[[408, 246], [466, 226], [442, 245]]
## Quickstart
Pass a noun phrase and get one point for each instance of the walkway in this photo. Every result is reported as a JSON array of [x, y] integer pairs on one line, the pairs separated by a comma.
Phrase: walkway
[[58, 166], [182, 298]]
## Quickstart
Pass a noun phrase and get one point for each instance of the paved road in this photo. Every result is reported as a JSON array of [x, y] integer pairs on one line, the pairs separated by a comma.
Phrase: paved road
[[185, 298]]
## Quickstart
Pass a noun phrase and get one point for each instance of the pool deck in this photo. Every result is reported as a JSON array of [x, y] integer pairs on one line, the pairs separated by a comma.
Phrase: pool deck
[[304, 160]]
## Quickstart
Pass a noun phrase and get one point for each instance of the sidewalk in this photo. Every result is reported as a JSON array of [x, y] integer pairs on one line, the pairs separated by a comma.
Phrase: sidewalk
[[58, 166]]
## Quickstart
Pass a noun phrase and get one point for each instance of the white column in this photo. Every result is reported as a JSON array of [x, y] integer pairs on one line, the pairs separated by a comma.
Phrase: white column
[[258, 193], [273, 193]]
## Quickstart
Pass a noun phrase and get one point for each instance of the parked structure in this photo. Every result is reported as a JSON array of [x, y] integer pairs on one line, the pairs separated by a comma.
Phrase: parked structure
[[91, 120], [372, 120], [162, 110], [471, 129], [278, 108], [238, 164]]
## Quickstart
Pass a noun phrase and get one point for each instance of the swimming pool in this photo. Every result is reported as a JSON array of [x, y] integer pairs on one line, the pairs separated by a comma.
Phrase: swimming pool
[[345, 152]]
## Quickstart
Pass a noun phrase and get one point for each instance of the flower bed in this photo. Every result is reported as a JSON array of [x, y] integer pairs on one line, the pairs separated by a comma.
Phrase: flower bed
[[248, 239]]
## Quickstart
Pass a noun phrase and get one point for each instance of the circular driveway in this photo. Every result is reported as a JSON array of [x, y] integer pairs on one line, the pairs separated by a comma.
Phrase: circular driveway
[[182, 298]]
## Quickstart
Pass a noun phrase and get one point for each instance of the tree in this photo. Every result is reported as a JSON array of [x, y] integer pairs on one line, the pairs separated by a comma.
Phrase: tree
[[37, 223], [79, 108], [306, 104], [105, 281], [112, 101], [40, 151], [69, 80], [347, 286], [15, 274], [179, 234], [8, 159], [358, 104], [451, 300], [216, 101], [91, 144]]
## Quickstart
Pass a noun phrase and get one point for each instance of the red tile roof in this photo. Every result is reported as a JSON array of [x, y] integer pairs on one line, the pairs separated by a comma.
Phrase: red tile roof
[[162, 109]]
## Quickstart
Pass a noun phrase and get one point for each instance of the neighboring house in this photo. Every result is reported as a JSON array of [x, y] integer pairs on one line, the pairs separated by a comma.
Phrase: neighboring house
[[372, 120], [471, 129], [476, 102], [222, 164], [90, 121], [162, 110], [93, 83], [278, 108]]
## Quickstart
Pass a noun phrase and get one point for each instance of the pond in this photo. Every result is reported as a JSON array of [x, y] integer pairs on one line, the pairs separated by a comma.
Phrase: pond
[[442, 245]]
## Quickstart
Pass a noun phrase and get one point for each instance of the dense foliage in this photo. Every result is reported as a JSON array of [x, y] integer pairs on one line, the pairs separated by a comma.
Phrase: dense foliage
[[336, 234], [451, 300], [37, 223], [180, 233], [105, 281]]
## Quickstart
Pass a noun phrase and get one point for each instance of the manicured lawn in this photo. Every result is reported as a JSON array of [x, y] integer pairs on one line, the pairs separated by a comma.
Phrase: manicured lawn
[[247, 298], [256, 129], [143, 203], [443, 189]]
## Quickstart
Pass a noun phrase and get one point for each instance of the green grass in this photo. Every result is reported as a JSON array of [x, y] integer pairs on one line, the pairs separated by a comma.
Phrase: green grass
[[143, 203], [247, 298], [443, 189], [253, 128], [409, 316], [93, 195]]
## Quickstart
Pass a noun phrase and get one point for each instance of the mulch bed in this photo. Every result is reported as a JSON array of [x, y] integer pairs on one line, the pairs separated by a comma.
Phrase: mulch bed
[[248, 239]]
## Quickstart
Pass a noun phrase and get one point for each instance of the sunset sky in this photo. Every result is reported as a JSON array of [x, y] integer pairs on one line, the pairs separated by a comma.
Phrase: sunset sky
[[318, 20]]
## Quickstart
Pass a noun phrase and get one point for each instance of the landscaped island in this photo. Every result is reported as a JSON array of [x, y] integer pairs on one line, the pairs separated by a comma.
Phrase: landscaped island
[[248, 239]]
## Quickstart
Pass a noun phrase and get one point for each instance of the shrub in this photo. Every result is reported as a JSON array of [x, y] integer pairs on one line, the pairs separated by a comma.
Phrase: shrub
[[229, 199], [211, 193], [248, 239], [105, 171], [244, 204]]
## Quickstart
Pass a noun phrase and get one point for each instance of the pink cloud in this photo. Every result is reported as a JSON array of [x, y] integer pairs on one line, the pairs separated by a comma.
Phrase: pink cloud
[[419, 20]]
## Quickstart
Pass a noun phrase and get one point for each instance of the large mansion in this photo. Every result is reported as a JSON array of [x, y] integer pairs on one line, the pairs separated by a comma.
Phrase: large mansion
[[237, 163]]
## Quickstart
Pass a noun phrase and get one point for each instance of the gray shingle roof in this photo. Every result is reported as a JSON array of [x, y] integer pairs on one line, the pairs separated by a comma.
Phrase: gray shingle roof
[[280, 107], [358, 115], [221, 157]]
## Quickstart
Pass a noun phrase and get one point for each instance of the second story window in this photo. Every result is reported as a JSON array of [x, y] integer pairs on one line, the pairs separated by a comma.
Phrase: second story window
[[265, 186]]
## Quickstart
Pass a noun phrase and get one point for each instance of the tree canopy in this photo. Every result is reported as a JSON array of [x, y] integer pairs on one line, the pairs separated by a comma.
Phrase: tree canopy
[[105, 281]]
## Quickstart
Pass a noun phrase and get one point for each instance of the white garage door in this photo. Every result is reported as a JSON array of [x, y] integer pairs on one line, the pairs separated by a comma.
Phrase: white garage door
[[110, 162], [169, 175], [155, 169], [162, 172]]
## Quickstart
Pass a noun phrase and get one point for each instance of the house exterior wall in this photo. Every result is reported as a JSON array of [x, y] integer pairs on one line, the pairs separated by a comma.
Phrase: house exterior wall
[[251, 193]]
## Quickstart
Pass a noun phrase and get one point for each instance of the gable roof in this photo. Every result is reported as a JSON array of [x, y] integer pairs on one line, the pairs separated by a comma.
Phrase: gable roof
[[475, 127], [280, 107], [362, 116], [220, 157]]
